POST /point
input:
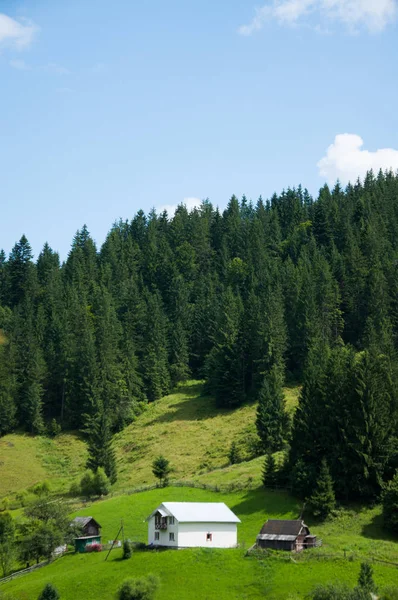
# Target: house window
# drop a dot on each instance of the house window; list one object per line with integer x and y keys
{"x": 171, "y": 520}
{"x": 156, "y": 535}
{"x": 209, "y": 537}
{"x": 171, "y": 537}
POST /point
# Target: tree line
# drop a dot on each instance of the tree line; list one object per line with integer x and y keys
{"x": 294, "y": 287}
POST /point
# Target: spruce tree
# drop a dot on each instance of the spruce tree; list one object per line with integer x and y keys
{"x": 322, "y": 501}
{"x": 269, "y": 474}
{"x": 49, "y": 593}
{"x": 100, "y": 448}
{"x": 271, "y": 420}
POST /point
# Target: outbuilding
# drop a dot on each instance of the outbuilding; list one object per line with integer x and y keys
{"x": 193, "y": 525}
{"x": 89, "y": 529}
{"x": 292, "y": 535}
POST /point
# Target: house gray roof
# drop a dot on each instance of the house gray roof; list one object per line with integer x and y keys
{"x": 83, "y": 521}
{"x": 198, "y": 512}
{"x": 279, "y": 528}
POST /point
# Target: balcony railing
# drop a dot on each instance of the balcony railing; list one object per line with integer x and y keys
{"x": 160, "y": 525}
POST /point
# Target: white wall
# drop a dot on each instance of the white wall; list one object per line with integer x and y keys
{"x": 193, "y": 535}
{"x": 163, "y": 534}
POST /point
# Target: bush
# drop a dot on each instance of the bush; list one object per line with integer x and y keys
{"x": 42, "y": 489}
{"x": 331, "y": 592}
{"x": 49, "y": 593}
{"x": 87, "y": 484}
{"x": 92, "y": 484}
{"x": 53, "y": 428}
{"x": 365, "y": 579}
{"x": 390, "y": 504}
{"x": 143, "y": 588}
{"x": 233, "y": 454}
{"x": 95, "y": 547}
{"x": 127, "y": 549}
{"x": 101, "y": 483}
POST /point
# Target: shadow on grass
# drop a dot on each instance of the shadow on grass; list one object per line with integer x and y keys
{"x": 276, "y": 503}
{"x": 195, "y": 408}
{"x": 375, "y": 530}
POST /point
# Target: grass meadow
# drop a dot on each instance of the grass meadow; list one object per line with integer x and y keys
{"x": 204, "y": 574}
{"x": 185, "y": 426}
{"x": 188, "y": 429}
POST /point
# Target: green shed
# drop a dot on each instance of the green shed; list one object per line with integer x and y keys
{"x": 90, "y": 532}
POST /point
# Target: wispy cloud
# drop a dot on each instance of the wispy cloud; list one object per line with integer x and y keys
{"x": 346, "y": 160}
{"x": 20, "y": 65}
{"x": 374, "y": 15}
{"x": 55, "y": 68}
{"x": 190, "y": 204}
{"x": 16, "y": 34}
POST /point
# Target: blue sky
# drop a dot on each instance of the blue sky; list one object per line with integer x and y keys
{"x": 106, "y": 108}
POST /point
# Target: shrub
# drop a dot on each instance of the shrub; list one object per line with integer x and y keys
{"x": 365, "y": 579}
{"x": 127, "y": 549}
{"x": 143, "y": 588}
{"x": 92, "y": 484}
{"x": 101, "y": 483}
{"x": 53, "y": 428}
{"x": 331, "y": 592}
{"x": 87, "y": 484}
{"x": 390, "y": 504}
{"x": 233, "y": 454}
{"x": 95, "y": 547}
{"x": 42, "y": 489}
{"x": 49, "y": 593}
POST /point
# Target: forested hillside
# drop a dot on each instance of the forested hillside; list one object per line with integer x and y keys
{"x": 246, "y": 299}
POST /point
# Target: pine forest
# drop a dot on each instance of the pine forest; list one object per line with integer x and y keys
{"x": 294, "y": 288}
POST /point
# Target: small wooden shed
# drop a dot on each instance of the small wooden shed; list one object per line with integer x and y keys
{"x": 292, "y": 535}
{"x": 90, "y": 532}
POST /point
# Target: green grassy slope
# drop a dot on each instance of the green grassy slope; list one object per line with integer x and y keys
{"x": 203, "y": 574}
{"x": 185, "y": 427}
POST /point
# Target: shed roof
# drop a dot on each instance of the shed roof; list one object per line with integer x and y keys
{"x": 283, "y": 527}
{"x": 83, "y": 521}
{"x": 198, "y": 512}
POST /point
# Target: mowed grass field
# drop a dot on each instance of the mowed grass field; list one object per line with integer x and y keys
{"x": 204, "y": 574}
{"x": 185, "y": 426}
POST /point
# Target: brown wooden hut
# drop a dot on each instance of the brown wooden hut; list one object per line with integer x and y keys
{"x": 285, "y": 535}
{"x": 89, "y": 529}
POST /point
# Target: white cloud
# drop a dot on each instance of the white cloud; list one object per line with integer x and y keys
{"x": 374, "y": 15}
{"x": 20, "y": 65}
{"x": 190, "y": 204}
{"x": 346, "y": 160}
{"x": 15, "y": 34}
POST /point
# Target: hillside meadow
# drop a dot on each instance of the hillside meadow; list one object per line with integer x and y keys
{"x": 205, "y": 574}
{"x": 185, "y": 426}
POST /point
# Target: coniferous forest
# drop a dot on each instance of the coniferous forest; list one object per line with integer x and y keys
{"x": 291, "y": 289}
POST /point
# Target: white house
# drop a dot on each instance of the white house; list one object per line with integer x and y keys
{"x": 192, "y": 525}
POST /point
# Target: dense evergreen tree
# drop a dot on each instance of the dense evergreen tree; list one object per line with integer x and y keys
{"x": 293, "y": 285}
{"x": 322, "y": 500}
{"x": 271, "y": 418}
{"x": 100, "y": 450}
